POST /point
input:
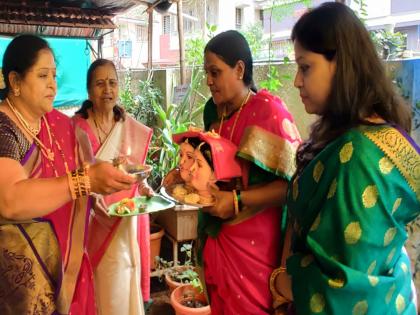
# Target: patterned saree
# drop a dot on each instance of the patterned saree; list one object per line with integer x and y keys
{"x": 349, "y": 209}
{"x": 43, "y": 265}
{"x": 240, "y": 254}
{"x": 119, "y": 248}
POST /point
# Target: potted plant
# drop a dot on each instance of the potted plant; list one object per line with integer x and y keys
{"x": 190, "y": 299}
{"x": 180, "y": 274}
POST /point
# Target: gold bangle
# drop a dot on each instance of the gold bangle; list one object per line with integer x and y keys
{"x": 79, "y": 182}
{"x": 71, "y": 186}
{"x": 278, "y": 298}
{"x": 75, "y": 183}
{"x": 79, "y": 185}
{"x": 87, "y": 178}
{"x": 84, "y": 180}
{"x": 235, "y": 202}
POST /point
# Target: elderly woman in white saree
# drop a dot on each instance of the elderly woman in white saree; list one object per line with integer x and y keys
{"x": 119, "y": 248}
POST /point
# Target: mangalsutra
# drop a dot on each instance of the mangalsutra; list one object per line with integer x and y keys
{"x": 245, "y": 100}
{"x": 46, "y": 152}
{"x": 99, "y": 128}
{"x": 97, "y": 131}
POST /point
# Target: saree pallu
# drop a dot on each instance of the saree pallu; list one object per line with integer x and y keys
{"x": 119, "y": 248}
{"x": 349, "y": 209}
{"x": 240, "y": 254}
{"x": 43, "y": 265}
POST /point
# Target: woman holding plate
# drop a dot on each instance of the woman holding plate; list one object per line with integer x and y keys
{"x": 44, "y": 190}
{"x": 241, "y": 231}
{"x": 121, "y": 280}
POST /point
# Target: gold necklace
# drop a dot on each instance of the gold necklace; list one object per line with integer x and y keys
{"x": 46, "y": 152}
{"x": 244, "y": 101}
{"x": 23, "y": 121}
{"x": 52, "y": 137}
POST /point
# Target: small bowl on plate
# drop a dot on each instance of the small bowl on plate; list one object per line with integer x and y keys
{"x": 140, "y": 172}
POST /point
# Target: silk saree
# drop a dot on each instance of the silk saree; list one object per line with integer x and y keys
{"x": 43, "y": 265}
{"x": 119, "y": 248}
{"x": 240, "y": 254}
{"x": 349, "y": 209}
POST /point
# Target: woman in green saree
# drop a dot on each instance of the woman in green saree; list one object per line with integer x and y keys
{"x": 357, "y": 181}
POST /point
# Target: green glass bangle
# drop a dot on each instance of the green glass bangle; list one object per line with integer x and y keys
{"x": 238, "y": 195}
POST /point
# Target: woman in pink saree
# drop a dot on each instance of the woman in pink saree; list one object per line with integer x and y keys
{"x": 44, "y": 268}
{"x": 242, "y": 230}
{"x": 119, "y": 248}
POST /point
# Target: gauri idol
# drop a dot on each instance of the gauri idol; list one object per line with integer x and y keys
{"x": 210, "y": 156}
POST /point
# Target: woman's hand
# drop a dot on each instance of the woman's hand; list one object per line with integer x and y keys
{"x": 224, "y": 207}
{"x": 106, "y": 179}
{"x": 283, "y": 285}
{"x": 145, "y": 190}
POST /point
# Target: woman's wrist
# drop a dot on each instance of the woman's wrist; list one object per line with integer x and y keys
{"x": 79, "y": 182}
{"x": 279, "y": 297}
{"x": 235, "y": 203}
{"x": 239, "y": 197}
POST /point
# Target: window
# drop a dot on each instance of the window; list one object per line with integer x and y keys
{"x": 141, "y": 33}
{"x": 123, "y": 32}
{"x": 259, "y": 17}
{"x": 189, "y": 26}
{"x": 238, "y": 18}
{"x": 166, "y": 24}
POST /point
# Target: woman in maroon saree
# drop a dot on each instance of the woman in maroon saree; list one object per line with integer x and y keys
{"x": 43, "y": 191}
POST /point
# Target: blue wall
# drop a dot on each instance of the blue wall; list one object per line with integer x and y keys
{"x": 73, "y": 60}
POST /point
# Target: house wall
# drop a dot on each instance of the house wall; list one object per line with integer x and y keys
{"x": 400, "y": 6}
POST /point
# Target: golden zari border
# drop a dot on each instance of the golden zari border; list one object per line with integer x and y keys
{"x": 400, "y": 152}
{"x": 269, "y": 151}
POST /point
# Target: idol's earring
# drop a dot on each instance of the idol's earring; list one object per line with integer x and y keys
{"x": 16, "y": 92}
{"x": 240, "y": 78}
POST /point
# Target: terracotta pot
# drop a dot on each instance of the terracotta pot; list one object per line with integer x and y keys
{"x": 171, "y": 283}
{"x": 155, "y": 241}
{"x": 185, "y": 292}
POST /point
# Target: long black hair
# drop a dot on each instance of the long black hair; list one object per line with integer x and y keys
{"x": 360, "y": 87}
{"x": 231, "y": 46}
{"x": 20, "y": 55}
{"x": 119, "y": 112}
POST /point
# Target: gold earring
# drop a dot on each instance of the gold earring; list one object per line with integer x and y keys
{"x": 240, "y": 78}
{"x": 16, "y": 92}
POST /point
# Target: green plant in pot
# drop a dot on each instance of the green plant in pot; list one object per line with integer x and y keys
{"x": 183, "y": 273}
{"x": 187, "y": 299}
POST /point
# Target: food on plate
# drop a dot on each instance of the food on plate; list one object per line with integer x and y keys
{"x": 179, "y": 192}
{"x": 206, "y": 200}
{"x": 127, "y": 206}
{"x": 192, "y": 198}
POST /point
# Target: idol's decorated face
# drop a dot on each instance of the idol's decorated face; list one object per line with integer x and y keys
{"x": 202, "y": 173}
{"x": 186, "y": 153}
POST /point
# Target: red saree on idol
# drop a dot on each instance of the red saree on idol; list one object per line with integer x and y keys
{"x": 119, "y": 248}
{"x": 240, "y": 255}
{"x": 43, "y": 265}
